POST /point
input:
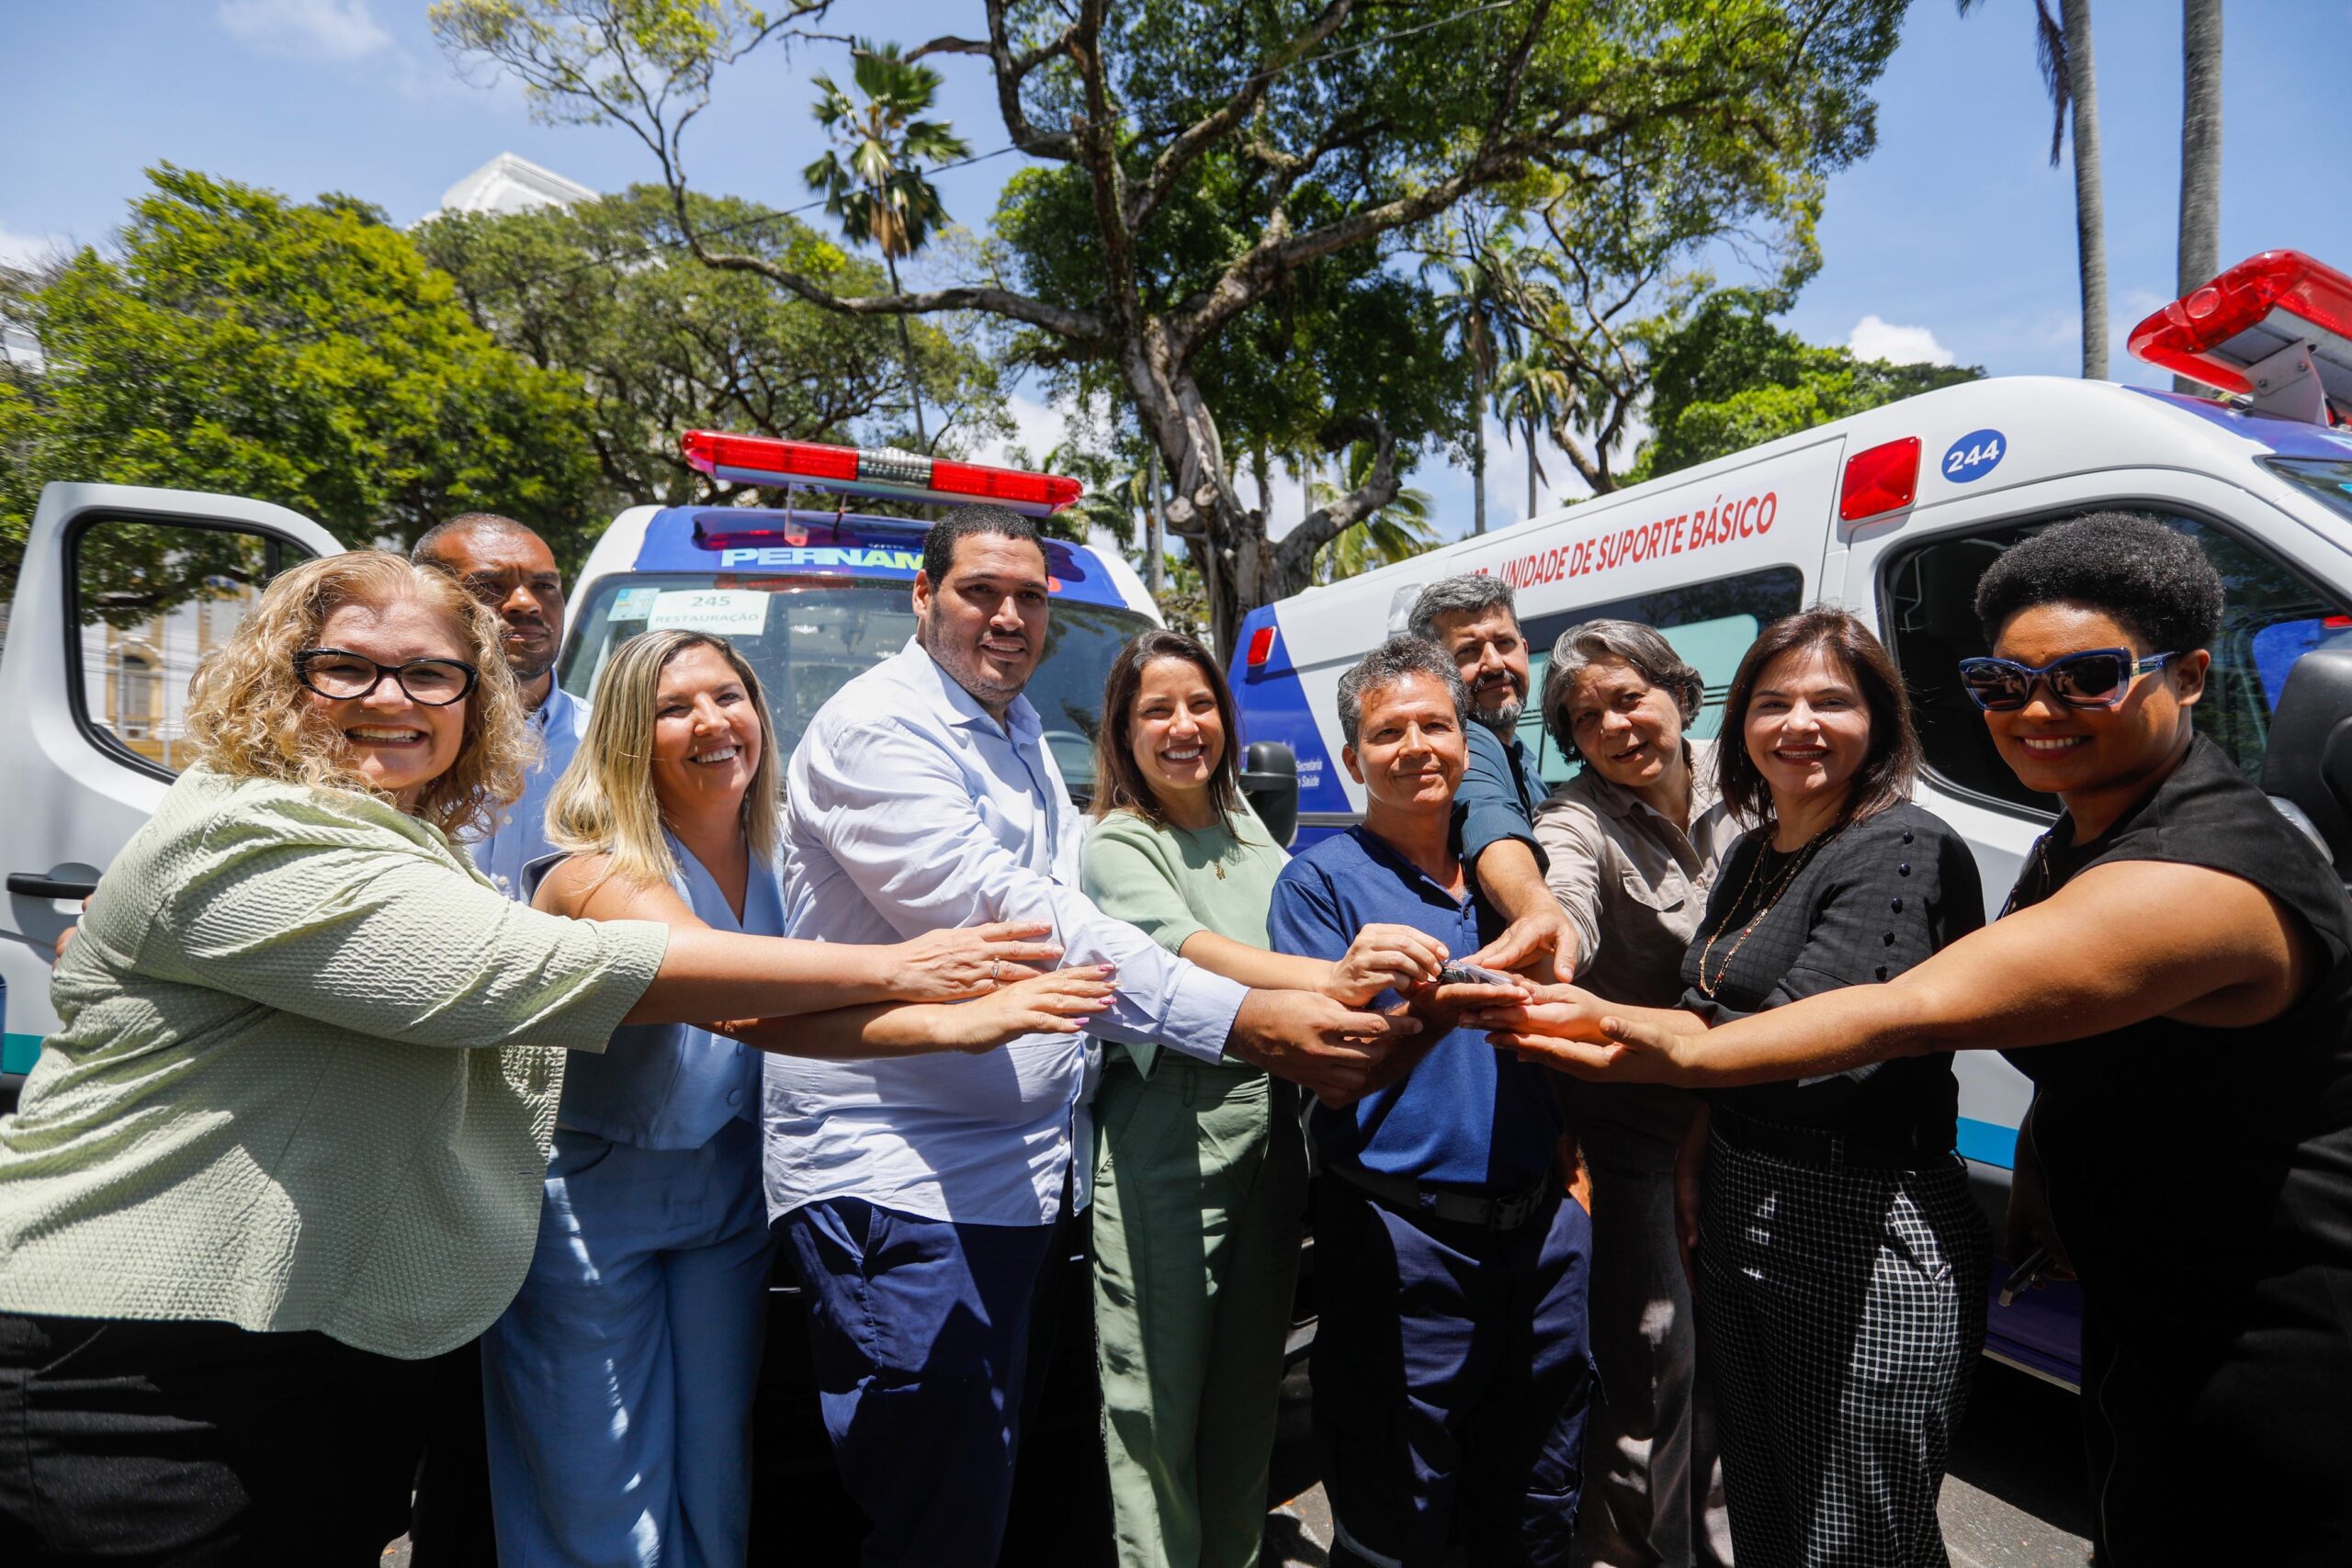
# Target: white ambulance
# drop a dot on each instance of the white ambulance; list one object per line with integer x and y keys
{"x": 1894, "y": 513}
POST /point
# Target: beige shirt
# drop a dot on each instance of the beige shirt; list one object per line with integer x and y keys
{"x": 1635, "y": 886}
{"x": 305, "y": 1078}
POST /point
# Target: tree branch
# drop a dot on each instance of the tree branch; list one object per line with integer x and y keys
{"x": 1181, "y": 153}
{"x": 1294, "y": 555}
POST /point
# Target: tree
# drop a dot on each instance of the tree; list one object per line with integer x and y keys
{"x": 2200, "y": 152}
{"x": 2063, "y": 49}
{"x": 1398, "y": 531}
{"x": 1475, "y": 310}
{"x": 1530, "y": 392}
{"x": 1332, "y": 125}
{"x": 301, "y": 353}
{"x": 603, "y": 293}
{"x": 1725, "y": 378}
{"x": 873, "y": 176}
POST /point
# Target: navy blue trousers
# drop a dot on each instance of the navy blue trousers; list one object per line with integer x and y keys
{"x": 930, "y": 1341}
{"x": 1453, "y": 1375}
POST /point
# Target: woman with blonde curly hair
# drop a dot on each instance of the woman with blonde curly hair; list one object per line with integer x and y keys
{"x": 291, "y": 1131}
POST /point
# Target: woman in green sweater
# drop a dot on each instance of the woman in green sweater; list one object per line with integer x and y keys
{"x": 1200, "y": 1171}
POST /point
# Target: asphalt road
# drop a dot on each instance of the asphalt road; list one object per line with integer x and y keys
{"x": 2013, "y": 1497}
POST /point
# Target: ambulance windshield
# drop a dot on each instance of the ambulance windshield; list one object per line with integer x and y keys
{"x": 808, "y": 636}
{"x": 2330, "y": 478}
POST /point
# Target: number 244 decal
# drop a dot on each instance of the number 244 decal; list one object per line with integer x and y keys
{"x": 1974, "y": 456}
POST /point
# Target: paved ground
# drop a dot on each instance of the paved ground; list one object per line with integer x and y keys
{"x": 2014, "y": 1498}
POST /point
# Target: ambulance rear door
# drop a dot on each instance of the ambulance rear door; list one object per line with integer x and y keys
{"x": 122, "y": 591}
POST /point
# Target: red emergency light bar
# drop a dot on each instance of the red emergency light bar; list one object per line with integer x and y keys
{"x": 2239, "y": 332}
{"x": 851, "y": 470}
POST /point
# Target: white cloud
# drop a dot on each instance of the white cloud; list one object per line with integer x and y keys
{"x": 27, "y": 250}
{"x": 305, "y": 30}
{"x": 1875, "y": 339}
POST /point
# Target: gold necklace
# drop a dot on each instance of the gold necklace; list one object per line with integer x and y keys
{"x": 1804, "y": 856}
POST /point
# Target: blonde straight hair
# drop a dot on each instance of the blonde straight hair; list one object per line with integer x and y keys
{"x": 605, "y": 803}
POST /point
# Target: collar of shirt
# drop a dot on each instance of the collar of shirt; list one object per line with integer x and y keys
{"x": 1616, "y": 800}
{"x": 931, "y": 678}
{"x": 1389, "y": 857}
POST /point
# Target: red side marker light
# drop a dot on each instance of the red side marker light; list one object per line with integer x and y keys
{"x": 1262, "y": 646}
{"x": 1880, "y": 480}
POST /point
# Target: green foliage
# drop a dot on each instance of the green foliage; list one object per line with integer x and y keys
{"x": 873, "y": 177}
{"x": 1725, "y": 378}
{"x": 660, "y": 344}
{"x": 1395, "y": 532}
{"x": 297, "y": 352}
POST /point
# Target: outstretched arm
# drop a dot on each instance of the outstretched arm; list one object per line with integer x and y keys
{"x": 2120, "y": 945}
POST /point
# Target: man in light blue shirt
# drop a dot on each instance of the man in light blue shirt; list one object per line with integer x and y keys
{"x": 511, "y": 569}
{"x": 924, "y": 1200}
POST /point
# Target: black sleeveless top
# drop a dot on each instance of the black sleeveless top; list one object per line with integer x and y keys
{"x": 1859, "y": 907}
{"x": 2202, "y": 1178}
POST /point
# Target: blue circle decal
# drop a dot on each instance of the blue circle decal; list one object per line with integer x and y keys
{"x": 1974, "y": 455}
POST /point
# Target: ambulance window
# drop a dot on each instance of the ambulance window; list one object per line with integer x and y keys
{"x": 2273, "y": 616}
{"x": 1709, "y": 624}
{"x": 150, "y": 601}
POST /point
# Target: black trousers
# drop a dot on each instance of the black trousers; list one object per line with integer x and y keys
{"x": 178, "y": 1443}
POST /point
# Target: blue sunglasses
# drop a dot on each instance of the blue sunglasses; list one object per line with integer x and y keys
{"x": 2097, "y": 679}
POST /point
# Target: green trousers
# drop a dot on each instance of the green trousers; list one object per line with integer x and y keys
{"x": 1200, "y": 1186}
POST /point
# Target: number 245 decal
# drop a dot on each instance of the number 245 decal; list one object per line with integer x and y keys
{"x": 1974, "y": 456}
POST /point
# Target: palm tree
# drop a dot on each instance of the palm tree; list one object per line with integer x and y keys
{"x": 2062, "y": 49}
{"x": 1530, "y": 391}
{"x": 2200, "y": 151}
{"x": 1398, "y": 531}
{"x": 1474, "y": 310}
{"x": 873, "y": 176}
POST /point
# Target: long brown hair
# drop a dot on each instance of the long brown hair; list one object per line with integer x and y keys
{"x": 1119, "y": 783}
{"x": 1884, "y": 778}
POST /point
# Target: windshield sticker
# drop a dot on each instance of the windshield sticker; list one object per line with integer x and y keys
{"x": 1974, "y": 456}
{"x": 720, "y": 611}
{"x": 633, "y": 603}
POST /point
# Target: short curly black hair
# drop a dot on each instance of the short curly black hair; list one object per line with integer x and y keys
{"x": 2155, "y": 582}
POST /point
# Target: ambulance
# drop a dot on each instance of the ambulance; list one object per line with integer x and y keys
{"x": 1894, "y": 513}
{"x": 124, "y": 589}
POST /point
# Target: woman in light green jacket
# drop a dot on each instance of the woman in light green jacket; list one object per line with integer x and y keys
{"x": 1200, "y": 1170}
{"x": 292, "y": 1130}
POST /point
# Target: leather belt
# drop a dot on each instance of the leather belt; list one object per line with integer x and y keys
{"x": 1510, "y": 1211}
{"x": 1819, "y": 1147}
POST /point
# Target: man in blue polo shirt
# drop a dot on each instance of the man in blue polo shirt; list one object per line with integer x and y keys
{"x": 1452, "y": 1372}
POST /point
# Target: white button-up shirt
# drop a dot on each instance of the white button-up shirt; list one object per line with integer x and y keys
{"x": 911, "y": 809}
{"x": 521, "y": 836}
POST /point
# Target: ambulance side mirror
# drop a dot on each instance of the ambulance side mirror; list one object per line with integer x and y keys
{"x": 2308, "y": 761}
{"x": 1270, "y": 781}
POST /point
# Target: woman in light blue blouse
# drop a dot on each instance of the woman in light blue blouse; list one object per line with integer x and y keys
{"x": 620, "y": 1381}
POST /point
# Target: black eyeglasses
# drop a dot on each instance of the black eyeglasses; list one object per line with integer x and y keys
{"x": 346, "y": 676}
{"x": 2098, "y": 677}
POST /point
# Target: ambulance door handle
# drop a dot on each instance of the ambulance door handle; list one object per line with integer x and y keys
{"x": 33, "y": 885}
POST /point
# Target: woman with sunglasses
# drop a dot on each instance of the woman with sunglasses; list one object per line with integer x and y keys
{"x": 2174, "y": 970}
{"x": 291, "y": 1133}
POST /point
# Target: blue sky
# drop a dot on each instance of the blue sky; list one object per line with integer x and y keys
{"x": 1955, "y": 238}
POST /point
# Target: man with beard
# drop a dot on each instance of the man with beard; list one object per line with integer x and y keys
{"x": 1476, "y": 620}
{"x": 511, "y": 569}
{"x": 926, "y": 1200}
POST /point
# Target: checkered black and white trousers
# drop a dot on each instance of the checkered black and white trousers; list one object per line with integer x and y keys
{"x": 1840, "y": 1313}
